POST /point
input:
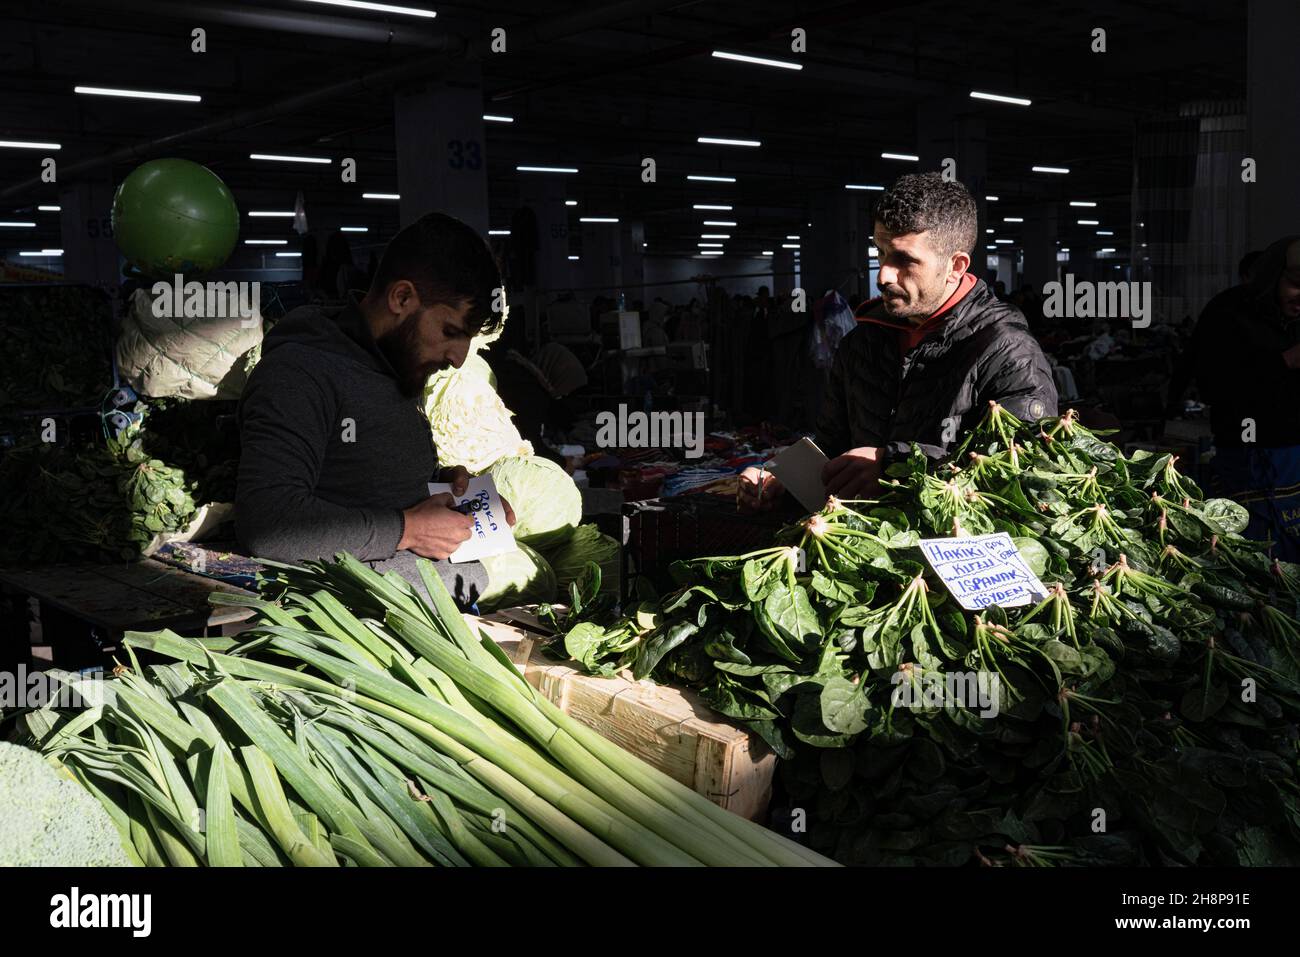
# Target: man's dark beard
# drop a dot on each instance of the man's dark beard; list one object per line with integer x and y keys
{"x": 401, "y": 347}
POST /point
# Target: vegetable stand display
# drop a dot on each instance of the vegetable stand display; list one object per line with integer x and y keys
{"x": 1146, "y": 706}
{"x": 355, "y": 724}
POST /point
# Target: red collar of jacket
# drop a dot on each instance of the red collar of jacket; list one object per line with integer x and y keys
{"x": 909, "y": 335}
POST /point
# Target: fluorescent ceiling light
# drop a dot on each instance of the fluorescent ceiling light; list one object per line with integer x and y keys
{"x": 873, "y": 252}
{"x": 137, "y": 94}
{"x": 768, "y": 252}
{"x": 570, "y": 202}
{"x": 1108, "y": 249}
{"x": 789, "y": 245}
{"x": 1105, "y": 232}
{"x": 497, "y": 118}
{"x": 901, "y": 156}
{"x": 879, "y": 189}
{"x": 275, "y": 157}
{"x": 289, "y": 255}
{"x": 597, "y": 219}
{"x": 266, "y": 242}
{"x": 723, "y": 141}
{"x": 1012, "y": 219}
{"x": 1004, "y": 242}
{"x": 707, "y": 206}
{"x": 999, "y": 98}
{"x": 1079, "y": 202}
{"x": 1065, "y": 249}
{"x": 718, "y": 222}
{"x": 546, "y": 169}
{"x": 715, "y": 235}
{"x": 1089, "y": 222}
{"x": 1049, "y": 169}
{"x": 271, "y": 214}
{"x": 988, "y": 230}
{"x": 709, "y": 245}
{"x": 354, "y": 229}
{"x": 16, "y": 224}
{"x": 381, "y": 195}
{"x": 710, "y": 179}
{"x": 376, "y": 7}
{"x": 48, "y": 209}
{"x": 792, "y": 237}
{"x": 42, "y": 252}
{"x": 498, "y": 232}
{"x": 28, "y": 145}
{"x": 711, "y": 252}
{"x": 761, "y": 61}
{"x": 990, "y": 199}
{"x": 990, "y": 247}
{"x": 572, "y": 258}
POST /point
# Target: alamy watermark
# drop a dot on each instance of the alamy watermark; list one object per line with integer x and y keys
{"x": 74, "y": 910}
{"x": 24, "y": 689}
{"x": 651, "y": 430}
{"x": 179, "y": 299}
{"x": 1083, "y": 299}
{"x": 978, "y": 691}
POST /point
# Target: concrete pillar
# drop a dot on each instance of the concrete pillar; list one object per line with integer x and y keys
{"x": 545, "y": 196}
{"x": 441, "y": 153}
{"x": 784, "y": 265}
{"x": 1040, "y": 234}
{"x": 1273, "y": 104}
{"x": 1007, "y": 270}
{"x": 946, "y": 132}
{"x": 85, "y": 222}
{"x": 632, "y": 241}
{"x": 834, "y": 246}
{"x": 602, "y": 259}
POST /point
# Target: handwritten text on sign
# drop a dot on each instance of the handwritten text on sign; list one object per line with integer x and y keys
{"x": 983, "y": 570}
{"x": 491, "y": 534}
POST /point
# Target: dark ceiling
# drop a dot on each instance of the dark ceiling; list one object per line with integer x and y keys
{"x": 599, "y": 86}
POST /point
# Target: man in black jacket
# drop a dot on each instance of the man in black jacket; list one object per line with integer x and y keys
{"x": 1246, "y": 354}
{"x": 336, "y": 454}
{"x": 928, "y": 355}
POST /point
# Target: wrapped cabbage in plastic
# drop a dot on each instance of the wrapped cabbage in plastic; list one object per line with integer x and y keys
{"x": 587, "y": 544}
{"x": 547, "y": 504}
{"x": 471, "y": 426}
{"x": 517, "y": 577}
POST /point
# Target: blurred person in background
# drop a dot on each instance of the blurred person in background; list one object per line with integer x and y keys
{"x": 1246, "y": 355}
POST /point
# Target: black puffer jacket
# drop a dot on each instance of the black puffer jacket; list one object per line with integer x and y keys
{"x": 982, "y": 350}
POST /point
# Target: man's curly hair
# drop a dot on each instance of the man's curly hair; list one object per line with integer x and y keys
{"x": 925, "y": 201}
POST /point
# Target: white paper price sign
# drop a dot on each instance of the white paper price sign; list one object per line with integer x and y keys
{"x": 983, "y": 570}
{"x": 491, "y": 533}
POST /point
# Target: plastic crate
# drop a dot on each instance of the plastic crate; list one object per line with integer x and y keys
{"x": 662, "y": 531}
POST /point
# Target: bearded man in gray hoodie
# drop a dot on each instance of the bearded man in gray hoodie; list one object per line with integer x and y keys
{"x": 336, "y": 453}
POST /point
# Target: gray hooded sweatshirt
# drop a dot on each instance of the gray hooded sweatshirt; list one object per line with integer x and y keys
{"x": 331, "y": 452}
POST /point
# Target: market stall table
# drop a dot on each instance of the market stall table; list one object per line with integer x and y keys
{"x": 115, "y": 598}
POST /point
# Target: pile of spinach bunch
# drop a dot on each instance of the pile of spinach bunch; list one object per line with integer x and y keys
{"x": 58, "y": 349}
{"x": 99, "y": 502}
{"x": 1146, "y": 709}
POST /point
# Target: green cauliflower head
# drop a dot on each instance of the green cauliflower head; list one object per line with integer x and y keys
{"x": 50, "y": 820}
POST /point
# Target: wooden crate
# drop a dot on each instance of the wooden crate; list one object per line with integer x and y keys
{"x": 669, "y": 728}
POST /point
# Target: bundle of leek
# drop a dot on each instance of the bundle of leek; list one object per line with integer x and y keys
{"x": 355, "y": 723}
